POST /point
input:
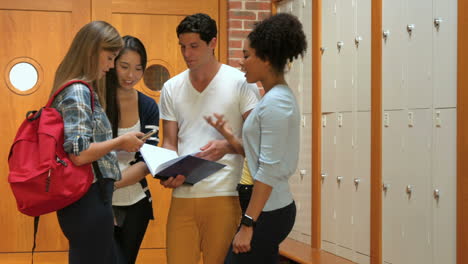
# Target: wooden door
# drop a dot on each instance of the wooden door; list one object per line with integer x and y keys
{"x": 39, "y": 32}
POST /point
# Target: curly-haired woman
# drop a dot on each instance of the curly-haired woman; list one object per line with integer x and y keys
{"x": 270, "y": 140}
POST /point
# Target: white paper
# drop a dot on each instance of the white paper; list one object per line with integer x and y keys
{"x": 155, "y": 156}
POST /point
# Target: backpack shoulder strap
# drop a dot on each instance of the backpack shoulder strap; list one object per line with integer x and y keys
{"x": 49, "y": 103}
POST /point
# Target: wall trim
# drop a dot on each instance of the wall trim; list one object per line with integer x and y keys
{"x": 316, "y": 227}
{"x": 223, "y": 35}
{"x": 376, "y": 134}
{"x": 462, "y": 134}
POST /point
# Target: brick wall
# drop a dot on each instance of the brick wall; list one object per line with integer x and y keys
{"x": 242, "y": 14}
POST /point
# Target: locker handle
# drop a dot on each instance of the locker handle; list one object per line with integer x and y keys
{"x": 436, "y": 194}
{"x": 302, "y": 173}
{"x": 385, "y": 34}
{"x": 322, "y": 50}
{"x": 437, "y": 22}
{"x": 324, "y": 175}
{"x": 339, "y": 178}
{"x": 339, "y": 45}
{"x": 357, "y": 40}
{"x": 357, "y": 181}
{"x": 410, "y": 28}
{"x": 409, "y": 189}
{"x": 385, "y": 186}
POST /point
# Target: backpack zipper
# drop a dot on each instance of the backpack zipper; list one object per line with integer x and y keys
{"x": 61, "y": 162}
{"x": 48, "y": 181}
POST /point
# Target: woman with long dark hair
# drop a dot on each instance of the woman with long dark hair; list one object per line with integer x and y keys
{"x": 131, "y": 111}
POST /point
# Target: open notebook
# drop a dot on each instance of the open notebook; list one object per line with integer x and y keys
{"x": 164, "y": 163}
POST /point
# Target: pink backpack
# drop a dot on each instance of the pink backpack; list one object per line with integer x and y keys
{"x": 42, "y": 177}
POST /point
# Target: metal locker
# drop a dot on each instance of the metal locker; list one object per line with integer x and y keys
{"x": 301, "y": 187}
{"x": 393, "y": 89}
{"x": 361, "y": 259}
{"x": 307, "y": 73}
{"x": 393, "y": 165}
{"x": 444, "y": 73}
{"x": 286, "y": 6}
{"x": 417, "y": 224}
{"x": 298, "y": 77}
{"x": 329, "y": 56}
{"x": 361, "y": 185}
{"x": 344, "y": 184}
{"x": 294, "y": 78}
{"x": 362, "y": 44}
{"x": 328, "y": 175}
{"x": 346, "y": 56}
{"x": 417, "y": 32}
{"x": 294, "y": 70}
{"x": 444, "y": 186}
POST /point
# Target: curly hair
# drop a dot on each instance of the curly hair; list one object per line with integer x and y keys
{"x": 278, "y": 39}
{"x": 198, "y": 23}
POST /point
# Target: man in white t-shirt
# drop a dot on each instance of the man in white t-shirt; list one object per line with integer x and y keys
{"x": 203, "y": 218}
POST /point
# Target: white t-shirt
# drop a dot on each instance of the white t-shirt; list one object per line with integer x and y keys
{"x": 228, "y": 94}
{"x": 131, "y": 194}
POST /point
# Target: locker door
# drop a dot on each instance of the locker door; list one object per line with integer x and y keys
{"x": 346, "y": 54}
{"x": 329, "y": 182}
{"x": 295, "y": 74}
{"x": 361, "y": 190}
{"x": 362, "y": 44}
{"x": 417, "y": 224}
{"x": 329, "y": 56}
{"x": 393, "y": 91}
{"x": 445, "y": 53}
{"x": 299, "y": 79}
{"x": 301, "y": 184}
{"x": 344, "y": 183}
{"x": 307, "y": 60}
{"x": 444, "y": 180}
{"x": 393, "y": 164}
{"x": 418, "y": 36}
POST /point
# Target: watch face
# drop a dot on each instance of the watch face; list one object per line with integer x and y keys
{"x": 247, "y": 220}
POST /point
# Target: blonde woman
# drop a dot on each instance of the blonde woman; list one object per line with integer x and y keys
{"x": 88, "y": 223}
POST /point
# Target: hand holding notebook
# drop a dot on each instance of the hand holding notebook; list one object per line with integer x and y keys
{"x": 164, "y": 163}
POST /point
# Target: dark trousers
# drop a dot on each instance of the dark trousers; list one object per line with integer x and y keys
{"x": 130, "y": 235}
{"x": 245, "y": 192}
{"x": 271, "y": 229}
{"x": 88, "y": 226}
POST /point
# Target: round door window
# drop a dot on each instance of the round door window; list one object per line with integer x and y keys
{"x": 155, "y": 76}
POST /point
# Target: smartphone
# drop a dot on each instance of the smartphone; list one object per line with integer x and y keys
{"x": 148, "y": 135}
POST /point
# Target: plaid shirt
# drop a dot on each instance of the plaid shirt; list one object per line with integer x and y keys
{"x": 82, "y": 126}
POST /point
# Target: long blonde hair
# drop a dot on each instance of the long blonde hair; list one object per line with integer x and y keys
{"x": 82, "y": 59}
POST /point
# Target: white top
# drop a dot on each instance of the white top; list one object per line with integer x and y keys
{"x": 228, "y": 94}
{"x": 131, "y": 194}
{"x": 271, "y": 143}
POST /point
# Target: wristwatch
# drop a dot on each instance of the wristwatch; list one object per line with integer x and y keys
{"x": 247, "y": 221}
